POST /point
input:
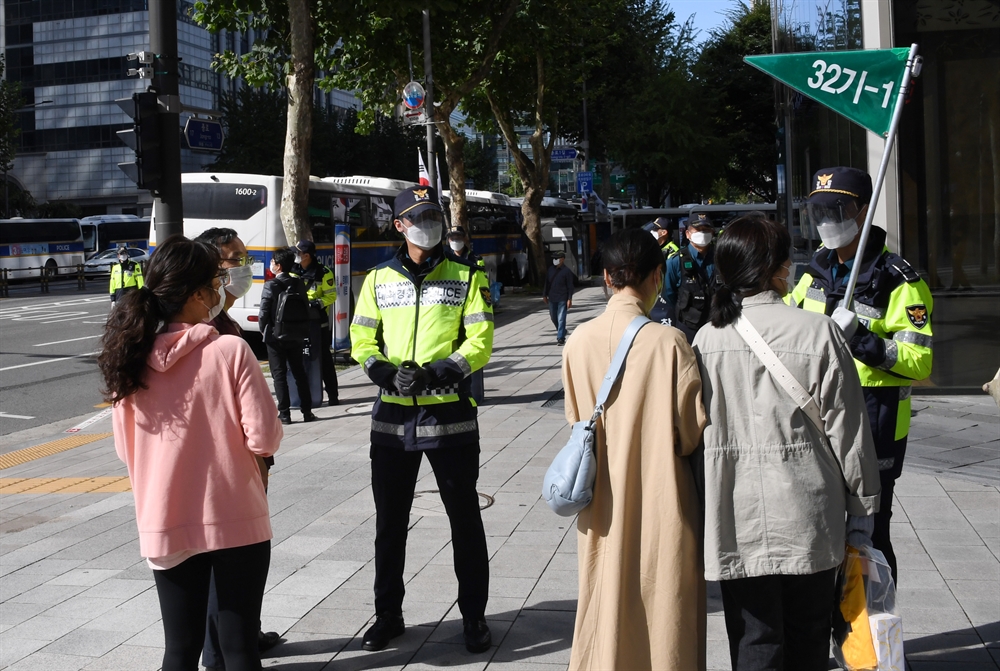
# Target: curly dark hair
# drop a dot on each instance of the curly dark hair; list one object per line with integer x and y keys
{"x": 746, "y": 258}
{"x": 629, "y": 256}
{"x": 178, "y": 268}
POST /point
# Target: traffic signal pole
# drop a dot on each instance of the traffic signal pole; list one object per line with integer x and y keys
{"x": 166, "y": 83}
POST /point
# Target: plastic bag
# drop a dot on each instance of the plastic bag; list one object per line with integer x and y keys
{"x": 870, "y": 632}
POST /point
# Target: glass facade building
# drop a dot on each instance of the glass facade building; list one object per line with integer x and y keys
{"x": 940, "y": 204}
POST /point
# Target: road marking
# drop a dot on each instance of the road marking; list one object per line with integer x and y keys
{"x": 60, "y": 342}
{"x": 103, "y": 405}
{"x": 90, "y": 420}
{"x": 4, "y": 414}
{"x": 39, "y": 363}
{"x": 52, "y": 447}
{"x": 97, "y": 485}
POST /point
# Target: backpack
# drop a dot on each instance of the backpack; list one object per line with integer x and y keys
{"x": 291, "y": 315}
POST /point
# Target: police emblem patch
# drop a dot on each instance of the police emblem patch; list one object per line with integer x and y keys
{"x": 486, "y": 296}
{"x": 824, "y": 181}
{"x": 917, "y": 314}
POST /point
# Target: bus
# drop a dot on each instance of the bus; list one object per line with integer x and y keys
{"x": 250, "y": 205}
{"x": 496, "y": 234}
{"x": 720, "y": 214}
{"x": 27, "y": 245}
{"x": 107, "y": 231}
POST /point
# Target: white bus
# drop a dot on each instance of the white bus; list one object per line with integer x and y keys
{"x": 107, "y": 231}
{"x": 250, "y": 204}
{"x": 720, "y": 214}
{"x": 28, "y": 245}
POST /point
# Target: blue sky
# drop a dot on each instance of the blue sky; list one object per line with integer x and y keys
{"x": 708, "y": 13}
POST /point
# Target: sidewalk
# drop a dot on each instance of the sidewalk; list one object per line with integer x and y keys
{"x": 74, "y": 593}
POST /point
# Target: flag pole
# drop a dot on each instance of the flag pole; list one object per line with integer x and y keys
{"x": 890, "y": 139}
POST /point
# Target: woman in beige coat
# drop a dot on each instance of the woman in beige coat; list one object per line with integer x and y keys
{"x": 642, "y": 592}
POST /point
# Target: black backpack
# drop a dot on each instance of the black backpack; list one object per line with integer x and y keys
{"x": 291, "y": 315}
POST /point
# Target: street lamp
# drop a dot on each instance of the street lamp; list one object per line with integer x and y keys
{"x": 6, "y": 188}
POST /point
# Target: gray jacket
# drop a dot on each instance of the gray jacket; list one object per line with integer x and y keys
{"x": 776, "y": 489}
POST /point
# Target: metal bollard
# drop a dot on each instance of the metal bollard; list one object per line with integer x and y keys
{"x": 81, "y": 281}
{"x": 4, "y": 285}
{"x": 44, "y": 279}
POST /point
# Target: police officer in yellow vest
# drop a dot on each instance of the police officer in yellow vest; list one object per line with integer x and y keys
{"x": 423, "y": 323}
{"x": 126, "y": 275}
{"x": 662, "y": 232}
{"x": 321, "y": 289}
{"x": 888, "y": 326}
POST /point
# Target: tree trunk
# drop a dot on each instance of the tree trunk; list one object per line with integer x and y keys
{"x": 298, "y": 134}
{"x": 454, "y": 144}
{"x": 532, "y": 214}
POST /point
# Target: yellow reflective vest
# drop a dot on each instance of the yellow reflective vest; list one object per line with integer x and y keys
{"x": 321, "y": 287}
{"x": 123, "y": 279}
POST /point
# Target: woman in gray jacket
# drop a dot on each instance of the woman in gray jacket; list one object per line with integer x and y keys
{"x": 781, "y": 494}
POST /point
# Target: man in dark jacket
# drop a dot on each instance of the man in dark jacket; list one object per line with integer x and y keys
{"x": 282, "y": 353}
{"x": 558, "y": 294}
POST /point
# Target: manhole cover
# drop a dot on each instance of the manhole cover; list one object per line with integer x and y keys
{"x": 428, "y": 503}
{"x": 359, "y": 409}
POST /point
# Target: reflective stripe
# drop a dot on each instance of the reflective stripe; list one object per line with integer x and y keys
{"x": 886, "y": 464}
{"x": 891, "y": 355}
{"x": 462, "y": 363}
{"x": 446, "y": 429}
{"x": 477, "y": 317}
{"x": 904, "y": 392}
{"x": 386, "y": 427}
{"x": 863, "y": 310}
{"x": 816, "y": 294}
{"x": 440, "y": 391}
{"x": 915, "y": 338}
{"x": 365, "y": 321}
{"x": 370, "y": 362}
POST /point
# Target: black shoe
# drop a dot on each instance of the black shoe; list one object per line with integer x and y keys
{"x": 477, "y": 636}
{"x": 333, "y": 401}
{"x": 285, "y": 419}
{"x": 387, "y": 627}
{"x": 267, "y": 640}
{"x": 561, "y": 342}
{"x": 309, "y": 417}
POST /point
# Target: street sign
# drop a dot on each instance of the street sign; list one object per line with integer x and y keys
{"x": 204, "y": 134}
{"x": 861, "y": 85}
{"x": 630, "y": 189}
{"x": 564, "y": 154}
{"x": 414, "y": 117}
{"x": 584, "y": 182}
{"x": 413, "y": 95}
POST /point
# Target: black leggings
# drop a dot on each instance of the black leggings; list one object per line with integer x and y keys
{"x": 240, "y": 574}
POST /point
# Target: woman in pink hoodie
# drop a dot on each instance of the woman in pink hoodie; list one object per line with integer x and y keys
{"x": 191, "y": 409}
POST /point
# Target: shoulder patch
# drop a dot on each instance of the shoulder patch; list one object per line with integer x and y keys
{"x": 486, "y": 296}
{"x": 917, "y": 314}
{"x": 900, "y": 265}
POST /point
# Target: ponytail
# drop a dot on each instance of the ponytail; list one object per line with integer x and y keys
{"x": 726, "y": 307}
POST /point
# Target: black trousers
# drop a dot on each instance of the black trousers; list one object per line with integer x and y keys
{"x": 328, "y": 369}
{"x": 883, "y": 415}
{"x": 240, "y": 574}
{"x": 394, "y": 477}
{"x": 278, "y": 355}
{"x": 779, "y": 622}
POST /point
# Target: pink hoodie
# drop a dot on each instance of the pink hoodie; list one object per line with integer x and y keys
{"x": 189, "y": 442}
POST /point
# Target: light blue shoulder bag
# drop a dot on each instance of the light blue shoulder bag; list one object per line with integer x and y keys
{"x": 569, "y": 483}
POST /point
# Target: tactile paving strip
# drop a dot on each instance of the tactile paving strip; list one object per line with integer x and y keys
{"x": 45, "y": 449}
{"x": 98, "y": 485}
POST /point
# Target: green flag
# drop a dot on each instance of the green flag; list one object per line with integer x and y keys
{"x": 861, "y": 85}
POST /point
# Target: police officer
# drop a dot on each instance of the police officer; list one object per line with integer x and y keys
{"x": 321, "y": 288}
{"x": 126, "y": 275}
{"x": 888, "y": 326}
{"x": 460, "y": 246}
{"x": 661, "y": 230}
{"x": 691, "y": 276}
{"x": 423, "y": 323}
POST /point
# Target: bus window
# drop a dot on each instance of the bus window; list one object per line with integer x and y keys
{"x": 89, "y": 238}
{"x": 223, "y": 201}
{"x": 321, "y": 216}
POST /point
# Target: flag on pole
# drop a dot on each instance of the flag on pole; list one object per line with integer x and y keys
{"x": 425, "y": 179}
{"x": 861, "y": 85}
{"x": 599, "y": 206}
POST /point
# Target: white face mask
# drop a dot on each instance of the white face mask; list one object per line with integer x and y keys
{"x": 837, "y": 234}
{"x": 701, "y": 238}
{"x": 298, "y": 259}
{"x": 784, "y": 280}
{"x": 214, "y": 311}
{"x": 456, "y": 245}
{"x": 555, "y": 262}
{"x": 656, "y": 235}
{"x": 425, "y": 235}
{"x": 240, "y": 281}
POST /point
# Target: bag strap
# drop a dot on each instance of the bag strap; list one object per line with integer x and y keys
{"x": 779, "y": 372}
{"x": 617, "y": 364}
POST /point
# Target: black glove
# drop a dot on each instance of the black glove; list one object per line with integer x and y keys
{"x": 411, "y": 379}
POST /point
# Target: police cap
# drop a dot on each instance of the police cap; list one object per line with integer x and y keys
{"x": 834, "y": 184}
{"x": 414, "y": 200}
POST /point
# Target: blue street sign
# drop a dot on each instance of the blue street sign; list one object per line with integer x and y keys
{"x": 630, "y": 189}
{"x": 563, "y": 154}
{"x": 204, "y": 134}
{"x": 584, "y": 182}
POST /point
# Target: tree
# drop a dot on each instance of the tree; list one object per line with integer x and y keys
{"x": 742, "y": 101}
{"x": 480, "y": 158}
{"x": 465, "y": 39}
{"x": 254, "y": 120}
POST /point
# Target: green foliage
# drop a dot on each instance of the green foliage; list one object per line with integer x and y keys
{"x": 740, "y": 101}
{"x": 10, "y": 100}
{"x": 254, "y": 121}
{"x": 481, "y": 163}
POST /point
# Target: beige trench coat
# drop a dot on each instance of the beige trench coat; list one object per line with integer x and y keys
{"x": 642, "y": 590}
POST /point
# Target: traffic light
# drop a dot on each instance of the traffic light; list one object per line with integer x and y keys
{"x": 144, "y": 139}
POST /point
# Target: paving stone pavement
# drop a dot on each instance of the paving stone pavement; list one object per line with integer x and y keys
{"x": 74, "y": 593}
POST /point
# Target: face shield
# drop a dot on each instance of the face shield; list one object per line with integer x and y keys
{"x": 835, "y": 222}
